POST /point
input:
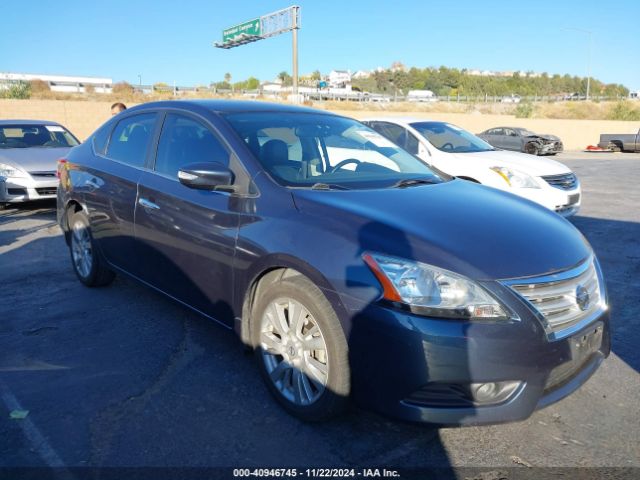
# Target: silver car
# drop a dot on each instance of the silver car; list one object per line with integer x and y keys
{"x": 29, "y": 151}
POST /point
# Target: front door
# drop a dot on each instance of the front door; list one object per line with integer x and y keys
{"x": 187, "y": 237}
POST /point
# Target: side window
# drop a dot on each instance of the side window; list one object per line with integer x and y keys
{"x": 130, "y": 139}
{"x": 395, "y": 133}
{"x": 184, "y": 140}
{"x": 101, "y": 137}
{"x": 412, "y": 143}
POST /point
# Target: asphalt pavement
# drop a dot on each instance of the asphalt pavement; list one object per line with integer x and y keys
{"x": 124, "y": 377}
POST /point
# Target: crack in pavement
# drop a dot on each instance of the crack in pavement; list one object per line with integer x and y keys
{"x": 106, "y": 425}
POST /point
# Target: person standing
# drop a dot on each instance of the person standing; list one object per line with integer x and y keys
{"x": 117, "y": 107}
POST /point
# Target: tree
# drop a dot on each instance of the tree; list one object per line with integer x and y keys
{"x": 316, "y": 75}
{"x": 252, "y": 83}
{"x": 227, "y": 77}
{"x": 122, "y": 88}
{"x": 20, "y": 90}
{"x": 285, "y": 78}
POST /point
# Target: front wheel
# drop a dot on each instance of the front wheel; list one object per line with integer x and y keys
{"x": 532, "y": 149}
{"x": 89, "y": 266}
{"x": 301, "y": 349}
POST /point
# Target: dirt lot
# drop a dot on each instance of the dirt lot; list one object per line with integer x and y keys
{"x": 123, "y": 377}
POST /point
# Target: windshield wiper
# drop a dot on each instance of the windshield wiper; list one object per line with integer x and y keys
{"x": 410, "y": 182}
{"x": 327, "y": 186}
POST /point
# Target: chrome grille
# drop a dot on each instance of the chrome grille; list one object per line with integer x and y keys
{"x": 564, "y": 299}
{"x": 565, "y": 181}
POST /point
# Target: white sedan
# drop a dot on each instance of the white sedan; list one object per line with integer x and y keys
{"x": 462, "y": 154}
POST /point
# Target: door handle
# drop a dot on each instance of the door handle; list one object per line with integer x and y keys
{"x": 148, "y": 204}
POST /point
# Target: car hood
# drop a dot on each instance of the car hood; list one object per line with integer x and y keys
{"x": 530, "y": 164}
{"x": 33, "y": 159}
{"x": 544, "y": 136}
{"x": 478, "y": 231}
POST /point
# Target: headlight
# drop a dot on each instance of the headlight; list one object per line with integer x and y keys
{"x": 432, "y": 291}
{"x": 516, "y": 179}
{"x": 7, "y": 171}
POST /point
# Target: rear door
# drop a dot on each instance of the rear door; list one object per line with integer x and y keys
{"x": 512, "y": 141}
{"x": 110, "y": 187}
{"x": 496, "y": 137}
{"x": 187, "y": 237}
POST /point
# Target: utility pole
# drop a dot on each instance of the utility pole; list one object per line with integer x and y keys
{"x": 294, "y": 33}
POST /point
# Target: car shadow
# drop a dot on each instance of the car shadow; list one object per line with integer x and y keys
{"x": 617, "y": 246}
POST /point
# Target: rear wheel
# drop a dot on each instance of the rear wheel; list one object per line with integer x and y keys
{"x": 614, "y": 147}
{"x": 89, "y": 266}
{"x": 301, "y": 349}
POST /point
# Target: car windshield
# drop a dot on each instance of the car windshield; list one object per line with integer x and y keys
{"x": 451, "y": 139}
{"x": 327, "y": 152}
{"x": 35, "y": 136}
{"x": 526, "y": 133}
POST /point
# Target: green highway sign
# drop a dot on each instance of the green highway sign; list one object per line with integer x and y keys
{"x": 252, "y": 27}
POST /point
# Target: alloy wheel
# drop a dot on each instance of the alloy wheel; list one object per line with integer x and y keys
{"x": 81, "y": 249}
{"x": 294, "y": 351}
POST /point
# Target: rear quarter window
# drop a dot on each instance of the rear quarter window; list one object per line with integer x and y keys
{"x": 101, "y": 138}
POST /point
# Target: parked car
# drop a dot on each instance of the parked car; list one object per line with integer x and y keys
{"x": 511, "y": 99}
{"x": 460, "y": 153}
{"x": 620, "y": 142}
{"x": 522, "y": 140}
{"x": 29, "y": 150}
{"x": 575, "y": 96}
{"x": 349, "y": 266}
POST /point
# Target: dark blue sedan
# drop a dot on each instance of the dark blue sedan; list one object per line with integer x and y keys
{"x": 351, "y": 268}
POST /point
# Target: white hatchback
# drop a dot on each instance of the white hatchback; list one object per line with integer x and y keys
{"x": 460, "y": 153}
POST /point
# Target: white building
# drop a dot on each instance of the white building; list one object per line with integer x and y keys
{"x": 339, "y": 78}
{"x": 60, "y": 83}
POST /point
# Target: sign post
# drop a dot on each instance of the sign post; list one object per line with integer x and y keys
{"x": 282, "y": 21}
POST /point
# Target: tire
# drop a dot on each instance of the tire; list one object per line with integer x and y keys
{"x": 614, "y": 147}
{"x": 306, "y": 368}
{"x": 532, "y": 148}
{"x": 89, "y": 266}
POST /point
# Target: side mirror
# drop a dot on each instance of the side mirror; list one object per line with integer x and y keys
{"x": 206, "y": 176}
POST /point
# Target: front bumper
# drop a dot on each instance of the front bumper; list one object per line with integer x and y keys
{"x": 551, "y": 148}
{"x": 17, "y": 190}
{"x": 411, "y": 367}
{"x": 563, "y": 202}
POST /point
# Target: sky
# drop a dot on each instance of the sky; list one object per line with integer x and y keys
{"x": 172, "y": 41}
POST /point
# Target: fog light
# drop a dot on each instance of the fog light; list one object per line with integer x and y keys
{"x": 492, "y": 392}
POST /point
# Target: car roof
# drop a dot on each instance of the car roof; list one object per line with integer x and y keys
{"x": 231, "y": 106}
{"x": 401, "y": 120}
{"x": 28, "y": 122}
